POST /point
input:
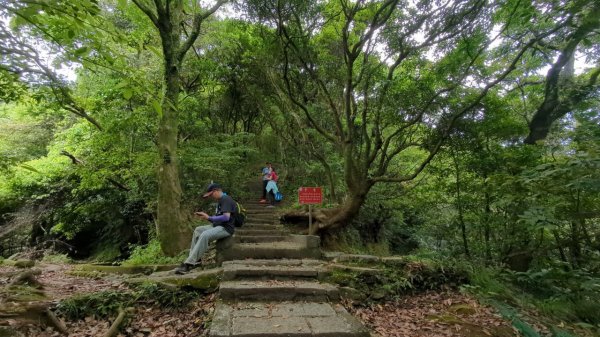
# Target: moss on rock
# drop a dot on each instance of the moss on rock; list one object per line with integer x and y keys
{"x": 22, "y": 293}
{"x": 206, "y": 280}
{"x": 138, "y": 269}
{"x": 19, "y": 263}
{"x": 463, "y": 309}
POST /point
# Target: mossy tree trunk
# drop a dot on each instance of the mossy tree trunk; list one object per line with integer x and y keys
{"x": 169, "y": 18}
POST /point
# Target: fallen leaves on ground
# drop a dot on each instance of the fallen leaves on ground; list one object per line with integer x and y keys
{"x": 149, "y": 321}
{"x": 444, "y": 314}
{"x": 144, "y": 322}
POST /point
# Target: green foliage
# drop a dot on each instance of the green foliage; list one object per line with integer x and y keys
{"x": 102, "y": 304}
{"x": 555, "y": 294}
{"x": 10, "y": 87}
{"x": 22, "y": 137}
{"x": 57, "y": 259}
{"x": 106, "y": 304}
{"x": 165, "y": 297}
{"x": 400, "y": 278}
{"x": 150, "y": 253}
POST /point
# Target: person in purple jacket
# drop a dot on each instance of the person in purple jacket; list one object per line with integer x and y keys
{"x": 223, "y": 225}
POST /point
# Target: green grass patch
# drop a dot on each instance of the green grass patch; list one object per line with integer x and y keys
{"x": 151, "y": 254}
{"x": 57, "y": 259}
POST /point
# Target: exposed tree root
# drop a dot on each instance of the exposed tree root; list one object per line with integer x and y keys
{"x": 56, "y": 322}
{"x": 27, "y": 278}
{"x": 114, "y": 328}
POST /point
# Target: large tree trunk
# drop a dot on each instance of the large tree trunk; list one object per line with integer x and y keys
{"x": 174, "y": 234}
{"x": 168, "y": 18}
{"x": 343, "y": 215}
{"x": 459, "y": 206}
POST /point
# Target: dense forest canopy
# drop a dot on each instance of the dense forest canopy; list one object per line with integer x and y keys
{"x": 467, "y": 128}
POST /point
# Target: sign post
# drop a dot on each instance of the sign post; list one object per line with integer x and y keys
{"x": 310, "y": 196}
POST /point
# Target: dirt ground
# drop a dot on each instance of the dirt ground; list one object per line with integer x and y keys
{"x": 442, "y": 313}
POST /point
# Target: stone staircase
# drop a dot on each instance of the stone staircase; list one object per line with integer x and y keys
{"x": 271, "y": 287}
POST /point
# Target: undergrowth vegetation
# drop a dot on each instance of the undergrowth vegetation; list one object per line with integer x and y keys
{"x": 151, "y": 254}
{"x": 106, "y": 304}
{"x": 555, "y": 294}
{"x": 391, "y": 280}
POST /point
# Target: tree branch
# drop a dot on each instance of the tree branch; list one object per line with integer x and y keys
{"x": 198, "y": 19}
{"x": 147, "y": 11}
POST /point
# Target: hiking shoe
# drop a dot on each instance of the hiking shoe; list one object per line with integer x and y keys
{"x": 185, "y": 267}
{"x": 263, "y": 201}
{"x": 270, "y": 206}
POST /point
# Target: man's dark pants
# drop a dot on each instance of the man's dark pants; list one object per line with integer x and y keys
{"x": 264, "y": 194}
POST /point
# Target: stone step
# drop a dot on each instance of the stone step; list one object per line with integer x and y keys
{"x": 269, "y": 250}
{"x": 257, "y": 232}
{"x": 251, "y": 222}
{"x": 270, "y": 220}
{"x": 255, "y": 205}
{"x": 257, "y": 239}
{"x": 262, "y": 221}
{"x": 285, "y": 319}
{"x": 278, "y": 262}
{"x": 260, "y": 210}
{"x": 277, "y": 290}
{"x": 259, "y": 226}
{"x": 241, "y": 270}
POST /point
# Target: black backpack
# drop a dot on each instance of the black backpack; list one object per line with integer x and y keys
{"x": 239, "y": 217}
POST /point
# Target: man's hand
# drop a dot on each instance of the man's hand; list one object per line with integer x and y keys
{"x": 202, "y": 215}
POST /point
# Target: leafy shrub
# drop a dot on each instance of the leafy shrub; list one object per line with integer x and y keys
{"x": 401, "y": 279}
{"x": 151, "y": 254}
{"x": 57, "y": 258}
{"x": 100, "y": 305}
{"x": 165, "y": 296}
{"x": 107, "y": 303}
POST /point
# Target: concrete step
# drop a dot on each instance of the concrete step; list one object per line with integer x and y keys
{"x": 276, "y": 290}
{"x": 278, "y": 262}
{"x": 262, "y": 219}
{"x": 257, "y": 239}
{"x": 260, "y": 210}
{"x": 257, "y": 232}
{"x": 241, "y": 269}
{"x": 255, "y": 205}
{"x": 259, "y": 226}
{"x": 252, "y": 222}
{"x": 268, "y": 250}
{"x": 285, "y": 319}
{"x": 272, "y": 221}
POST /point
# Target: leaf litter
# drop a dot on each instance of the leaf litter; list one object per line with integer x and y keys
{"x": 146, "y": 320}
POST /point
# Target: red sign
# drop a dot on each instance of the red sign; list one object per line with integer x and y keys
{"x": 310, "y": 195}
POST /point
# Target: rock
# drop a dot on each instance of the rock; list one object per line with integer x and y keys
{"x": 26, "y": 277}
{"x": 139, "y": 269}
{"x": 330, "y": 256}
{"x": 308, "y": 241}
{"x": 446, "y": 318}
{"x": 357, "y": 258}
{"x": 463, "y": 309}
{"x": 378, "y": 294}
{"x": 24, "y": 263}
{"x": 352, "y": 294}
{"x": 6, "y": 331}
{"x": 359, "y": 270}
{"x": 394, "y": 261}
{"x": 204, "y": 279}
{"x": 22, "y": 294}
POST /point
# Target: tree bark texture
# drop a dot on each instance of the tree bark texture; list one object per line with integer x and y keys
{"x": 169, "y": 18}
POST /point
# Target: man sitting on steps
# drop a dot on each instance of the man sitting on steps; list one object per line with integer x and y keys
{"x": 222, "y": 227}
